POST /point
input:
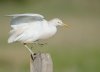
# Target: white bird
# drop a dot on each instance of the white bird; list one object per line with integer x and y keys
{"x": 29, "y": 28}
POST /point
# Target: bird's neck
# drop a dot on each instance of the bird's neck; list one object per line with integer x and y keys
{"x": 45, "y": 24}
{"x": 52, "y": 23}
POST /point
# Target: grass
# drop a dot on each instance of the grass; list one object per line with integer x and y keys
{"x": 64, "y": 59}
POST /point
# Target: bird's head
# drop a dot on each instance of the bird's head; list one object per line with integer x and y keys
{"x": 57, "y": 22}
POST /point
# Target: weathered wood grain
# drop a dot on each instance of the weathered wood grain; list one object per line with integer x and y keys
{"x": 41, "y": 62}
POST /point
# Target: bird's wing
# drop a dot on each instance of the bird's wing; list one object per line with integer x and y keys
{"x": 25, "y": 18}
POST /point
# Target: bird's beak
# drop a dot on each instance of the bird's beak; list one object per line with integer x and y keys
{"x": 65, "y": 25}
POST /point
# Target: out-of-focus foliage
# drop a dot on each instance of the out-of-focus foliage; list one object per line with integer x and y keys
{"x": 19, "y": 1}
{"x": 79, "y": 7}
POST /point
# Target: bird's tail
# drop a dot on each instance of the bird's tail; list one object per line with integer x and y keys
{"x": 11, "y": 39}
{"x": 14, "y": 35}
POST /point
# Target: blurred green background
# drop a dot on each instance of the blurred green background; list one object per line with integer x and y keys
{"x": 76, "y": 49}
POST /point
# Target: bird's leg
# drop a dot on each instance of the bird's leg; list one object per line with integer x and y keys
{"x": 33, "y": 45}
{"x": 28, "y": 48}
{"x": 42, "y": 44}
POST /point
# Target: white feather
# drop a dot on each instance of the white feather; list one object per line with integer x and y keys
{"x": 27, "y": 28}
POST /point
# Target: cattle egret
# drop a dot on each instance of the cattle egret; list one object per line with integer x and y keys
{"x": 29, "y": 28}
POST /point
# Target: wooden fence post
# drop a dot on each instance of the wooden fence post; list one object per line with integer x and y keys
{"x": 41, "y": 62}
